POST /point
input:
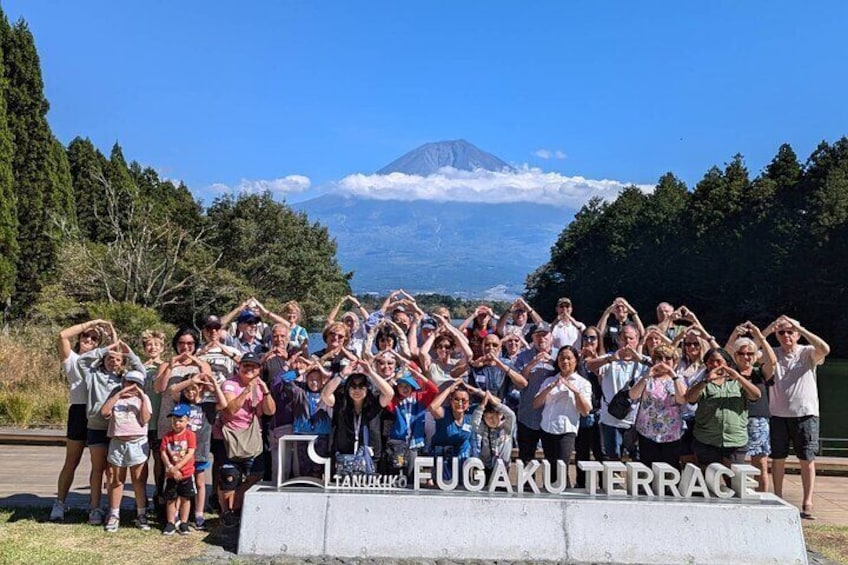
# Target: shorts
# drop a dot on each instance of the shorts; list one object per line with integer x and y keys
{"x": 96, "y": 438}
{"x": 254, "y": 466}
{"x": 200, "y": 466}
{"x": 184, "y": 488}
{"x": 77, "y": 422}
{"x": 758, "y": 436}
{"x": 708, "y": 454}
{"x": 128, "y": 452}
{"x": 803, "y": 432}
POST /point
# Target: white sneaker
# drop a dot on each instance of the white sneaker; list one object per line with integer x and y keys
{"x": 95, "y": 517}
{"x": 57, "y": 513}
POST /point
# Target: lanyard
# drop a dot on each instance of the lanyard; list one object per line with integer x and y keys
{"x": 357, "y": 423}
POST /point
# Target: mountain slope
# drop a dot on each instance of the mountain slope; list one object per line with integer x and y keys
{"x": 430, "y": 157}
{"x": 446, "y": 247}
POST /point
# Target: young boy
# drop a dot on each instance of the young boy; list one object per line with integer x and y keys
{"x": 128, "y": 411}
{"x": 177, "y": 453}
{"x": 191, "y": 393}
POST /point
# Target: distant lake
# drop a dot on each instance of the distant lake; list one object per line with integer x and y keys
{"x": 833, "y": 396}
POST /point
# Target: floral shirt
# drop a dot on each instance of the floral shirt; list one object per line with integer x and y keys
{"x": 659, "y": 416}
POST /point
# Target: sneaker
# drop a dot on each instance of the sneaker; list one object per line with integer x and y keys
{"x": 112, "y": 523}
{"x": 170, "y": 529}
{"x": 95, "y": 517}
{"x": 57, "y": 513}
{"x": 229, "y": 519}
{"x": 142, "y": 522}
{"x": 199, "y": 522}
{"x": 183, "y": 529}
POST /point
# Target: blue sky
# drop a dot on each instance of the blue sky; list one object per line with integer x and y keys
{"x": 214, "y": 93}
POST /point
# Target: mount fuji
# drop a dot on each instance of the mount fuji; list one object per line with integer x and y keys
{"x": 469, "y": 249}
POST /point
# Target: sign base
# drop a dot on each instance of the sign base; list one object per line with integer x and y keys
{"x": 571, "y": 527}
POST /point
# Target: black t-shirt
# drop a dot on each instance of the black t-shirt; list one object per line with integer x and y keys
{"x": 760, "y": 408}
{"x": 344, "y": 420}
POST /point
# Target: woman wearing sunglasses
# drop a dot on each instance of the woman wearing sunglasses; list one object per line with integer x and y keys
{"x": 745, "y": 352}
{"x": 88, "y": 336}
{"x": 588, "y": 440}
{"x": 659, "y": 423}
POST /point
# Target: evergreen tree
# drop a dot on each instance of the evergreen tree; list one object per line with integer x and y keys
{"x": 89, "y": 192}
{"x": 8, "y": 199}
{"x": 32, "y": 162}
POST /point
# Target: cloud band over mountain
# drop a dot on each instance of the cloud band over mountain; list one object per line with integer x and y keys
{"x": 527, "y": 184}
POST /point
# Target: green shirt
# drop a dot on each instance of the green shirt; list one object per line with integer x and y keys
{"x": 722, "y": 416}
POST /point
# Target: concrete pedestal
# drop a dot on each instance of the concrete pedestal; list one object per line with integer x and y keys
{"x": 574, "y": 528}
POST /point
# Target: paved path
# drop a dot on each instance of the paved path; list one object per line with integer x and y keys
{"x": 28, "y": 478}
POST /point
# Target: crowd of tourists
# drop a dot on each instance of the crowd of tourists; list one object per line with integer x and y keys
{"x": 393, "y": 384}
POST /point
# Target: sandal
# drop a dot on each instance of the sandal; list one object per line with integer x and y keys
{"x": 807, "y": 513}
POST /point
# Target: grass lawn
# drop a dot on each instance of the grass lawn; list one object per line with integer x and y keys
{"x": 830, "y": 541}
{"x": 26, "y": 536}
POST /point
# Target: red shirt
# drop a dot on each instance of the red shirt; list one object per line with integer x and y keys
{"x": 175, "y": 445}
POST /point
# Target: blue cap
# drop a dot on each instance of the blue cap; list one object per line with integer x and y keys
{"x": 180, "y": 411}
{"x": 408, "y": 379}
{"x": 247, "y": 316}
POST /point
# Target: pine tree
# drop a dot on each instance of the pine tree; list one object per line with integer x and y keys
{"x": 8, "y": 200}
{"x": 89, "y": 192}
{"x": 39, "y": 199}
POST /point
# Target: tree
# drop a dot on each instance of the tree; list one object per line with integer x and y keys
{"x": 8, "y": 199}
{"x": 278, "y": 251}
{"x": 89, "y": 194}
{"x": 39, "y": 187}
{"x": 143, "y": 262}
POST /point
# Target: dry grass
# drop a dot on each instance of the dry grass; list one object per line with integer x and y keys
{"x": 830, "y": 541}
{"x": 33, "y": 390}
{"x": 27, "y": 537}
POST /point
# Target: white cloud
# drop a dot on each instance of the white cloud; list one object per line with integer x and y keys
{"x": 291, "y": 184}
{"x": 550, "y": 153}
{"x": 526, "y": 184}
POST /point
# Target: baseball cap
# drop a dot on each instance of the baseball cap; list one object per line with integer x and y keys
{"x": 564, "y": 300}
{"x": 136, "y": 377}
{"x": 246, "y": 316}
{"x": 250, "y": 357}
{"x": 180, "y": 411}
{"x": 212, "y": 321}
{"x": 542, "y": 327}
{"x": 428, "y": 323}
{"x": 408, "y": 379}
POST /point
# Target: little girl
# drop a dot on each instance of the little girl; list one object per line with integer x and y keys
{"x": 128, "y": 411}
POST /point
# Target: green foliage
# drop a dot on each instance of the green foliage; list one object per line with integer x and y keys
{"x": 8, "y": 198}
{"x": 38, "y": 172}
{"x": 89, "y": 192}
{"x": 732, "y": 249}
{"x": 278, "y": 251}
{"x": 128, "y": 319}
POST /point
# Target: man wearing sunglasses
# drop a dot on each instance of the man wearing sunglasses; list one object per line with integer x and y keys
{"x": 794, "y": 404}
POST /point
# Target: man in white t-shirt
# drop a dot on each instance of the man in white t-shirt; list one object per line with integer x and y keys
{"x": 615, "y": 371}
{"x": 794, "y": 404}
{"x": 566, "y": 330}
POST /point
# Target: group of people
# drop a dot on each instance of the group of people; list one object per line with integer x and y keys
{"x": 399, "y": 382}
